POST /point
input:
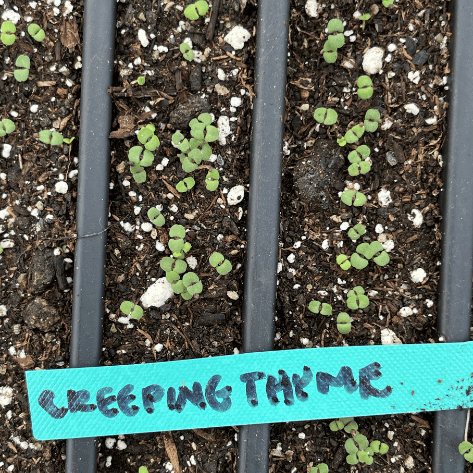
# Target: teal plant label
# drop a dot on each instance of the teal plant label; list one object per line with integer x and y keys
{"x": 252, "y": 388}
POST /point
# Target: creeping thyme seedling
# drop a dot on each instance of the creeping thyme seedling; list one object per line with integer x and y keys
{"x": 131, "y": 309}
{"x": 186, "y": 184}
{"x": 364, "y": 18}
{"x": 177, "y": 265}
{"x": 343, "y": 323}
{"x": 8, "y": 30}
{"x": 218, "y": 261}
{"x": 1, "y": 249}
{"x": 343, "y": 262}
{"x": 139, "y": 159}
{"x": 177, "y": 234}
{"x": 379, "y": 447}
{"x": 357, "y": 299}
{"x": 327, "y": 116}
{"x": 147, "y": 137}
{"x": 373, "y": 250}
{"x": 357, "y": 231}
{"x": 346, "y": 423}
{"x": 466, "y": 449}
{"x": 320, "y": 468}
{"x": 317, "y": 308}
{"x": 335, "y": 30}
{"x": 186, "y": 51}
{"x": 143, "y": 469}
{"x": 365, "y": 87}
{"x": 52, "y": 138}
{"x": 330, "y": 52}
{"x": 23, "y": 62}
{"x": 359, "y": 450}
{"x": 156, "y": 216}
{"x": 202, "y": 129}
{"x": 141, "y": 80}
{"x": 372, "y": 118}
{"x": 353, "y": 197}
{"x": 358, "y": 262}
{"x": 212, "y": 180}
{"x": 36, "y": 32}
{"x": 6, "y": 126}
{"x": 201, "y": 7}
{"x": 388, "y": 3}
{"x": 192, "y": 283}
{"x": 352, "y": 135}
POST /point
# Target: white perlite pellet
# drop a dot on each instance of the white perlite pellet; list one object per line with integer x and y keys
{"x": 418, "y": 275}
{"x": 157, "y": 294}
{"x": 143, "y": 38}
{"x": 6, "y": 395}
{"x": 388, "y": 337}
{"x": 384, "y": 197}
{"x": 312, "y": 8}
{"x": 237, "y": 37}
{"x": 61, "y": 187}
{"x": 235, "y": 195}
{"x": 416, "y": 218}
{"x": 373, "y": 60}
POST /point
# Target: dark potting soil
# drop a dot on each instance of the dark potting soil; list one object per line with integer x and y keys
{"x": 39, "y": 220}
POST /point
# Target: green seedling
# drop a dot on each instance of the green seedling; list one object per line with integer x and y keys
{"x": 354, "y": 134}
{"x": 185, "y": 185}
{"x": 343, "y": 262}
{"x": 194, "y": 10}
{"x": 357, "y": 298}
{"x": 202, "y": 129}
{"x": 131, "y": 309}
{"x": 357, "y": 231}
{"x": 373, "y": 250}
{"x": 172, "y": 277}
{"x": 141, "y": 80}
{"x": 143, "y": 469}
{"x": 330, "y": 51}
{"x": 361, "y": 152}
{"x": 52, "y": 138}
{"x": 23, "y": 62}
{"x": 147, "y": 137}
{"x": 36, "y": 32}
{"x": 320, "y": 468}
{"x": 68, "y": 141}
{"x": 192, "y": 283}
{"x": 139, "y": 159}
{"x": 218, "y": 261}
{"x": 387, "y": 3}
{"x": 186, "y": 51}
{"x": 181, "y": 142}
{"x": 177, "y": 234}
{"x": 335, "y": 30}
{"x": 317, "y": 308}
{"x": 8, "y": 30}
{"x": 365, "y": 87}
{"x": 185, "y": 249}
{"x": 372, "y": 118}
{"x": 327, "y": 116}
{"x": 212, "y": 180}
{"x": 379, "y": 447}
{"x": 343, "y": 323}
{"x": 156, "y": 216}
{"x": 6, "y": 126}
{"x": 1, "y": 249}
{"x": 364, "y": 18}
{"x": 466, "y": 449}
{"x": 356, "y": 158}
{"x": 346, "y": 423}
{"x": 192, "y": 160}
{"x": 358, "y": 450}
{"x": 177, "y": 265}
{"x": 353, "y": 197}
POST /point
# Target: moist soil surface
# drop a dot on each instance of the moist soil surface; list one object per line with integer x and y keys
{"x": 39, "y": 191}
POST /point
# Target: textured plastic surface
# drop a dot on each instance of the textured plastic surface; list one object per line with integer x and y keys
{"x": 92, "y": 204}
{"x": 263, "y": 206}
{"x": 252, "y": 388}
{"x": 456, "y": 271}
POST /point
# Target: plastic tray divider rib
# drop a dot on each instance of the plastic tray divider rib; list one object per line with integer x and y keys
{"x": 92, "y": 206}
{"x": 263, "y": 207}
{"x": 456, "y": 271}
